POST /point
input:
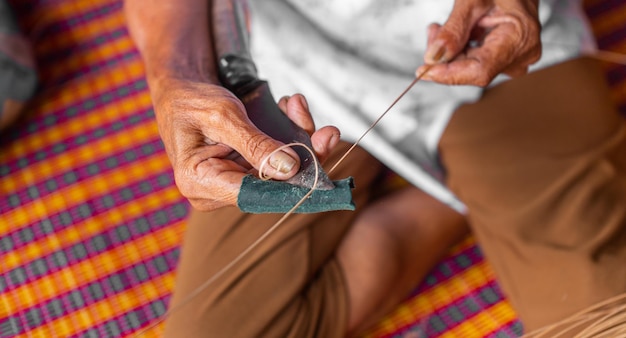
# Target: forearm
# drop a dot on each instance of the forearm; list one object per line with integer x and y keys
{"x": 173, "y": 38}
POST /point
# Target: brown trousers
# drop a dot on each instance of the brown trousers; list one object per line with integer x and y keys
{"x": 540, "y": 162}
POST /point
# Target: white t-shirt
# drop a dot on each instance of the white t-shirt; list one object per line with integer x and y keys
{"x": 352, "y": 58}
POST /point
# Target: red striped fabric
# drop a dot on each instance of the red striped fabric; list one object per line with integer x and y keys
{"x": 90, "y": 219}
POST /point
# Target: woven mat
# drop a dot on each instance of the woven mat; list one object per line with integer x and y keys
{"x": 90, "y": 219}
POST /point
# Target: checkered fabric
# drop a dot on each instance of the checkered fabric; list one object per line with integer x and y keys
{"x": 90, "y": 219}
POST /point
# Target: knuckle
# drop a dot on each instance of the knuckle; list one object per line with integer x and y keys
{"x": 184, "y": 185}
{"x": 483, "y": 80}
{"x": 257, "y": 146}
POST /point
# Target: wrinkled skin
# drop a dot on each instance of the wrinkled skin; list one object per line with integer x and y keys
{"x": 203, "y": 131}
{"x": 209, "y": 139}
{"x": 505, "y": 39}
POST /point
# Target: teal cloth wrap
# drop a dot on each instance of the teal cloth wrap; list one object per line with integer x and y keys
{"x": 258, "y": 197}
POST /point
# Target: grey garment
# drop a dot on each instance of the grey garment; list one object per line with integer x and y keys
{"x": 18, "y": 81}
{"x": 7, "y": 20}
{"x": 352, "y": 58}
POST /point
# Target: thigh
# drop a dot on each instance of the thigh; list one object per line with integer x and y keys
{"x": 540, "y": 162}
{"x": 288, "y": 286}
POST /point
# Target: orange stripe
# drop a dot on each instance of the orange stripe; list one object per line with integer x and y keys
{"x": 92, "y": 119}
{"x": 102, "y": 311}
{"x": 64, "y": 10}
{"x": 608, "y": 21}
{"x": 72, "y": 195}
{"x": 86, "y": 32}
{"x": 467, "y": 243}
{"x": 87, "y": 153}
{"x": 484, "y": 322}
{"x": 155, "y": 332}
{"x": 438, "y": 297}
{"x": 71, "y": 94}
{"x": 65, "y": 238}
{"x": 87, "y": 271}
{"x": 76, "y": 62}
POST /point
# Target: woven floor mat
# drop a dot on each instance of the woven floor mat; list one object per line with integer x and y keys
{"x": 90, "y": 218}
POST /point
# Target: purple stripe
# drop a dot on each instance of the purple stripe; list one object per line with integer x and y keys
{"x": 450, "y": 267}
{"x": 88, "y": 209}
{"x": 59, "y": 55}
{"x": 70, "y": 255}
{"x": 468, "y": 311}
{"x": 96, "y": 291}
{"x": 602, "y": 7}
{"x": 614, "y": 38}
{"x": 77, "y": 174}
{"x": 616, "y": 76}
{"x": 144, "y": 315}
{"x": 29, "y": 10}
{"x": 14, "y": 165}
{"x": 513, "y": 328}
{"x": 73, "y": 22}
{"x": 87, "y": 69}
{"x": 76, "y": 109}
{"x": 452, "y": 315}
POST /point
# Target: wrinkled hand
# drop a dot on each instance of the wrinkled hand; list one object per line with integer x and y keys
{"x": 504, "y": 35}
{"x": 212, "y": 144}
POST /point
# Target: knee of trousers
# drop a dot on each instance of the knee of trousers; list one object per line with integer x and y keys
{"x": 522, "y": 136}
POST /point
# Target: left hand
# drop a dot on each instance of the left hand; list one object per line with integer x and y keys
{"x": 505, "y": 36}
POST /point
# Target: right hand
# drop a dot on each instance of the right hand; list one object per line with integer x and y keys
{"x": 507, "y": 34}
{"x": 212, "y": 144}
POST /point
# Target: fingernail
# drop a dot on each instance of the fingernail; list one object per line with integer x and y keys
{"x": 334, "y": 140}
{"x": 435, "y": 52}
{"x": 284, "y": 98}
{"x": 304, "y": 103}
{"x": 282, "y": 162}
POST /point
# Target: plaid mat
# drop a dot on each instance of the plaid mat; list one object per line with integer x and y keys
{"x": 90, "y": 219}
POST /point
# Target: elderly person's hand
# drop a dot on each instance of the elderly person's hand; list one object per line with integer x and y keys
{"x": 481, "y": 39}
{"x": 212, "y": 144}
{"x": 208, "y": 137}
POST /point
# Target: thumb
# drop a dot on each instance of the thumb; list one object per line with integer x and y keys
{"x": 447, "y": 41}
{"x": 261, "y": 151}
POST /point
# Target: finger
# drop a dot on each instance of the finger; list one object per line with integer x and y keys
{"x": 524, "y": 31}
{"x": 225, "y": 194}
{"x": 462, "y": 71}
{"x": 210, "y": 183}
{"x": 260, "y": 151}
{"x": 282, "y": 104}
{"x": 324, "y": 140}
{"x": 298, "y": 111}
{"x": 236, "y": 157}
{"x": 433, "y": 30}
{"x": 452, "y": 37}
{"x": 474, "y": 68}
{"x": 233, "y": 127}
{"x": 479, "y": 65}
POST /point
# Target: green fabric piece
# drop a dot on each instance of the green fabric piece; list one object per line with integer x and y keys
{"x": 259, "y": 197}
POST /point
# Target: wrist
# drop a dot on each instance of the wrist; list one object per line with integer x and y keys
{"x": 162, "y": 70}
